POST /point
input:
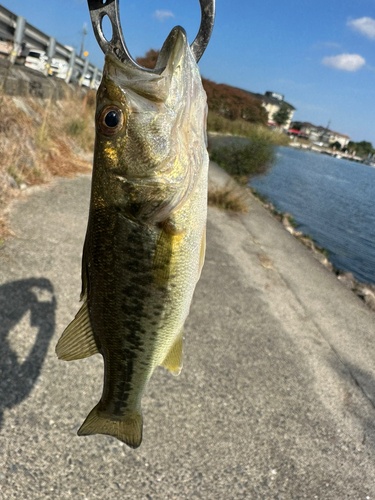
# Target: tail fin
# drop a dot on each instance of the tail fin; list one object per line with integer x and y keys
{"x": 128, "y": 430}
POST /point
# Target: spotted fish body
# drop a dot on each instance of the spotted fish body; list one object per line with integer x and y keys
{"x": 145, "y": 240}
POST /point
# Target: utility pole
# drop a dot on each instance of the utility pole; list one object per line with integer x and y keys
{"x": 84, "y": 33}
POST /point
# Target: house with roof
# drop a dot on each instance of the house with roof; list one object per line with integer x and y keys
{"x": 272, "y": 102}
{"x": 317, "y": 133}
{"x": 341, "y": 138}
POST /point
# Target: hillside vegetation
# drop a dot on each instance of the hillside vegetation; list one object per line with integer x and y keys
{"x": 42, "y": 139}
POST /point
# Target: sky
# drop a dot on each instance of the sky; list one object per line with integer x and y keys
{"x": 320, "y": 54}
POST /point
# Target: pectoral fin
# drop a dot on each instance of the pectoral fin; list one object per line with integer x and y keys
{"x": 77, "y": 340}
{"x": 173, "y": 360}
{"x": 168, "y": 242}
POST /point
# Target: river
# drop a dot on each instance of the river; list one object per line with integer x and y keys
{"x": 332, "y": 200}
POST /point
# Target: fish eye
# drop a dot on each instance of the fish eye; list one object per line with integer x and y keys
{"x": 111, "y": 120}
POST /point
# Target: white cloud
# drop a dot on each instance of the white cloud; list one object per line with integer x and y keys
{"x": 161, "y": 15}
{"x": 331, "y": 45}
{"x": 365, "y": 25}
{"x": 346, "y": 62}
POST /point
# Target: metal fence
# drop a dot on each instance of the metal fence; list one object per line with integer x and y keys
{"x": 16, "y": 35}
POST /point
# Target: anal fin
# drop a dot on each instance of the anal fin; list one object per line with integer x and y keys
{"x": 173, "y": 360}
{"x": 77, "y": 340}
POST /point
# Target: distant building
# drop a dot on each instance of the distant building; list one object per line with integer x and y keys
{"x": 273, "y": 101}
{"x": 317, "y": 133}
{"x": 341, "y": 138}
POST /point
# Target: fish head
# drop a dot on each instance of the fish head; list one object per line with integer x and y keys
{"x": 150, "y": 143}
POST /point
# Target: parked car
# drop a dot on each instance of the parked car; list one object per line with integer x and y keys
{"x": 86, "y": 82}
{"x": 36, "y": 59}
{"x": 59, "y": 67}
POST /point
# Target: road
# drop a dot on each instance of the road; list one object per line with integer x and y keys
{"x": 276, "y": 399}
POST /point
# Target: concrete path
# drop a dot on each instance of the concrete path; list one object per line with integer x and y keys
{"x": 275, "y": 401}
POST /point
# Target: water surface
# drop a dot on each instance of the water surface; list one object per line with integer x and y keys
{"x": 330, "y": 199}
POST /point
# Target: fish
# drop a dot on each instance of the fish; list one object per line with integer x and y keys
{"x": 146, "y": 233}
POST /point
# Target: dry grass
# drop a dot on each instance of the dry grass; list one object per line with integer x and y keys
{"x": 228, "y": 198}
{"x": 38, "y": 141}
{"x": 217, "y": 123}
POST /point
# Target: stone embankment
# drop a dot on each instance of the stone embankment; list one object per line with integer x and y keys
{"x": 22, "y": 81}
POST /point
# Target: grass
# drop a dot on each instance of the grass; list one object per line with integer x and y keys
{"x": 258, "y": 195}
{"x": 241, "y": 128}
{"x": 40, "y": 139}
{"x": 82, "y": 131}
{"x": 227, "y": 198}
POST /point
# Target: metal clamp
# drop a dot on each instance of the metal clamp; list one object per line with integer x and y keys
{"x": 101, "y": 8}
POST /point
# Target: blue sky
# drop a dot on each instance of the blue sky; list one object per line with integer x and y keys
{"x": 320, "y": 55}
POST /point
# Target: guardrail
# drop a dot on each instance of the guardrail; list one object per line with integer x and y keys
{"x": 16, "y": 34}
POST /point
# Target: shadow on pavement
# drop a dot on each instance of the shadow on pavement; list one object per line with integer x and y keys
{"x": 26, "y": 306}
{"x": 365, "y": 381}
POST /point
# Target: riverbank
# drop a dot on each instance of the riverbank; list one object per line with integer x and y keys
{"x": 326, "y": 151}
{"x": 364, "y": 291}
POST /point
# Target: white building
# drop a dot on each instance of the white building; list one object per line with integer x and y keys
{"x": 272, "y": 102}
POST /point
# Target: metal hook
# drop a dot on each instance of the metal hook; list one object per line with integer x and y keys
{"x": 205, "y": 29}
{"x": 101, "y": 8}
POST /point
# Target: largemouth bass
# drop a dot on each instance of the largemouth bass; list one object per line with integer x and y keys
{"x": 145, "y": 240}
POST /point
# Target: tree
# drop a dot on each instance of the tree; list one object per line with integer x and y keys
{"x": 233, "y": 103}
{"x": 281, "y": 116}
{"x": 363, "y": 148}
{"x": 296, "y": 125}
{"x": 335, "y": 145}
{"x": 149, "y": 60}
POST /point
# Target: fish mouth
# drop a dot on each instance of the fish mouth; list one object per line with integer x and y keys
{"x": 152, "y": 84}
{"x": 172, "y": 48}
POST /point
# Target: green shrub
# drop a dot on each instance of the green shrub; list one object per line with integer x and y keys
{"x": 244, "y": 160}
